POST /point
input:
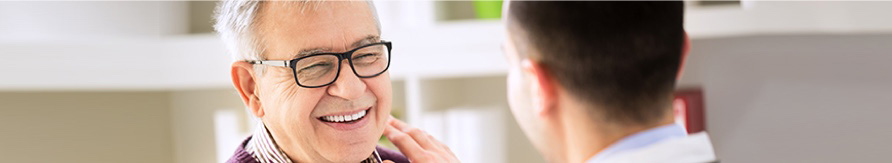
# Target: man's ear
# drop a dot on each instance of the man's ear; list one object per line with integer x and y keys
{"x": 542, "y": 87}
{"x": 243, "y": 80}
{"x": 685, "y": 48}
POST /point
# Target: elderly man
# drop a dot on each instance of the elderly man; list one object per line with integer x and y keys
{"x": 315, "y": 74}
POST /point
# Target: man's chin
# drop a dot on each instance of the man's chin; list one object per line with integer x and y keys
{"x": 352, "y": 142}
{"x": 351, "y": 153}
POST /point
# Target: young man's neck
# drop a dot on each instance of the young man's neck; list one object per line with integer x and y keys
{"x": 584, "y": 137}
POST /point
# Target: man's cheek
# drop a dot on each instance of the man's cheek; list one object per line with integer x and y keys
{"x": 380, "y": 82}
{"x": 513, "y": 85}
{"x": 301, "y": 103}
{"x": 516, "y": 91}
{"x": 380, "y": 86}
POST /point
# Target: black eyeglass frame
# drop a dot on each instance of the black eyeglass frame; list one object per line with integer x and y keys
{"x": 341, "y": 56}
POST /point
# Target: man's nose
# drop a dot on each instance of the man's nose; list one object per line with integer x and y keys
{"x": 348, "y": 85}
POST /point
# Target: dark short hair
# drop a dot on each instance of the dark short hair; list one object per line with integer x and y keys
{"x": 623, "y": 56}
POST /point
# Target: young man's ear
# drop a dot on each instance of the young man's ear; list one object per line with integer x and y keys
{"x": 243, "y": 80}
{"x": 685, "y": 49}
{"x": 542, "y": 87}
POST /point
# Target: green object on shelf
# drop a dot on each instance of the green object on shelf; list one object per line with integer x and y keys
{"x": 488, "y": 9}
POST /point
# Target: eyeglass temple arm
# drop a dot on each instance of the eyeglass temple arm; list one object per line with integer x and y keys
{"x": 279, "y": 63}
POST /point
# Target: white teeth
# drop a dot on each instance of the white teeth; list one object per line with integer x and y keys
{"x": 344, "y": 118}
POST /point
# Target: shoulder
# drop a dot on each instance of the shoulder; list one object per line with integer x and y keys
{"x": 387, "y": 154}
{"x": 240, "y": 155}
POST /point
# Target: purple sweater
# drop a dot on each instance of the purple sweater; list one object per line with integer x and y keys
{"x": 242, "y": 156}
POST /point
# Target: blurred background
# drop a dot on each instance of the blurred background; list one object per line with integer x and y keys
{"x": 149, "y": 81}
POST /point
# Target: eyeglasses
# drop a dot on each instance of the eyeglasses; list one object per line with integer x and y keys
{"x": 322, "y": 69}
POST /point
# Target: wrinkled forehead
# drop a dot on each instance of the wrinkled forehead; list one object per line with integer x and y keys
{"x": 287, "y": 28}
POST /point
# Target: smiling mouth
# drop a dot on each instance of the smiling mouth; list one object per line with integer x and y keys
{"x": 349, "y": 118}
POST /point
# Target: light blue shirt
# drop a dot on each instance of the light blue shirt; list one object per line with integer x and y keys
{"x": 639, "y": 140}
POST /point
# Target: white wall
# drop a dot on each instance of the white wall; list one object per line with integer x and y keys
{"x": 49, "y": 127}
{"x": 818, "y": 98}
{"x": 117, "y": 126}
{"x": 192, "y": 120}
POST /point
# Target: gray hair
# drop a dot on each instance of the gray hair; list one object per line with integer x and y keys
{"x": 234, "y": 22}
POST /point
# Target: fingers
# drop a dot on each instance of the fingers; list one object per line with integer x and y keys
{"x": 386, "y": 125}
{"x": 388, "y": 161}
{"x": 397, "y": 123}
{"x": 404, "y": 142}
{"x": 417, "y": 145}
{"x": 422, "y": 138}
{"x": 442, "y": 146}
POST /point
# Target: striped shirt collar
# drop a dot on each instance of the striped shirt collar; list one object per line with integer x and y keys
{"x": 264, "y": 149}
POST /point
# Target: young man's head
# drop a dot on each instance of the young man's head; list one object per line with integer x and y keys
{"x": 318, "y": 104}
{"x": 598, "y": 66}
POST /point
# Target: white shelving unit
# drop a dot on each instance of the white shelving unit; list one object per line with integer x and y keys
{"x": 187, "y": 60}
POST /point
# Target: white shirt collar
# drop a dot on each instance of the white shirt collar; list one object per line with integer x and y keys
{"x": 639, "y": 140}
